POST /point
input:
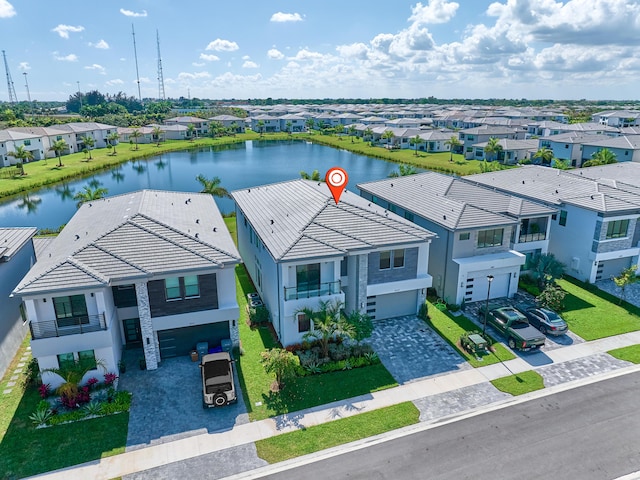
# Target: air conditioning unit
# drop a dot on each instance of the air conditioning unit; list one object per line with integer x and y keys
{"x": 256, "y": 303}
{"x": 253, "y": 296}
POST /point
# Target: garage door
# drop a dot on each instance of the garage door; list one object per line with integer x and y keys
{"x": 181, "y": 341}
{"x": 478, "y": 285}
{"x": 394, "y": 305}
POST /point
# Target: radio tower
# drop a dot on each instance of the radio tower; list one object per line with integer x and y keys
{"x": 135, "y": 54}
{"x": 161, "y": 94}
{"x": 13, "y": 98}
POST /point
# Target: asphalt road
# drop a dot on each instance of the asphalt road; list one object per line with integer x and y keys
{"x": 591, "y": 432}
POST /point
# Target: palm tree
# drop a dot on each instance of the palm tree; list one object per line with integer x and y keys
{"x": 310, "y": 123}
{"x": 351, "y": 130}
{"x": 89, "y": 143}
{"x": 90, "y": 193}
{"x": 453, "y": 143}
{"x": 403, "y": 170}
{"x": 604, "y": 157}
{"x": 288, "y": 126}
{"x": 30, "y": 203}
{"x": 157, "y": 135}
{"x": 58, "y": 147}
{"x": 493, "y": 148}
{"x": 260, "y": 126}
{"x": 212, "y": 187}
{"x": 191, "y": 131}
{"x": 315, "y": 176}
{"x": 388, "y": 135}
{"x": 545, "y": 154}
{"x": 546, "y": 269}
{"x": 416, "y": 141}
{"x": 328, "y": 324}
{"x": 135, "y": 134}
{"x": 113, "y": 138}
{"x": 368, "y": 133}
{"x": 22, "y": 155}
{"x": 72, "y": 375}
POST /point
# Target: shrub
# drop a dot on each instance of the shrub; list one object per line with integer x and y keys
{"x": 41, "y": 416}
{"x": 339, "y": 352}
{"x": 258, "y": 315}
{"x": 423, "y": 312}
{"x": 67, "y": 417}
{"x": 44, "y": 390}
{"x": 93, "y": 408}
{"x": 110, "y": 378}
{"x": 32, "y": 373}
{"x": 552, "y": 297}
{"x": 91, "y": 382}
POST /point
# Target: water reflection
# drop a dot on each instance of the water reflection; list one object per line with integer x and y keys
{"x": 64, "y": 191}
{"x": 29, "y": 203}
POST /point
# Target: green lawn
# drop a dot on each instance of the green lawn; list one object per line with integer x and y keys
{"x": 25, "y": 451}
{"x": 592, "y": 313}
{"x": 327, "y": 435}
{"x": 629, "y": 354}
{"x": 519, "y": 383}
{"x": 451, "y": 328}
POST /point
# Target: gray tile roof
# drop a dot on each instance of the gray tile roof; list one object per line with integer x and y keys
{"x": 13, "y": 239}
{"x": 299, "y": 219}
{"x": 453, "y": 202}
{"x": 138, "y": 235}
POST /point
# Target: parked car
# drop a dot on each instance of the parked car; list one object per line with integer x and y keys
{"x": 547, "y": 321}
{"x": 218, "y": 388}
{"x": 515, "y": 327}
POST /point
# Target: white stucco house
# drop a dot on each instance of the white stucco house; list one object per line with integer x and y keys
{"x": 300, "y": 247}
{"x": 156, "y": 272}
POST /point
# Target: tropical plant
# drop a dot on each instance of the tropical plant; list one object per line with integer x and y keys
{"x": 493, "y": 148}
{"x": 191, "y": 131}
{"x": 388, "y": 135}
{"x": 281, "y": 363}
{"x": 403, "y": 170}
{"x": 351, "y": 130}
{"x": 22, "y": 155}
{"x": 93, "y": 408}
{"x": 288, "y": 126}
{"x": 260, "y": 126}
{"x": 626, "y": 277}
{"x": 157, "y": 135}
{"x": 41, "y": 416}
{"x": 113, "y": 138}
{"x": 601, "y": 157}
{"x": 328, "y": 324}
{"x": 545, "y": 154}
{"x": 415, "y": 141}
{"x": 546, "y": 269}
{"x": 561, "y": 164}
{"x": 362, "y": 325}
{"x": 72, "y": 374}
{"x": 212, "y": 187}
{"x": 368, "y": 133}
{"x": 58, "y": 147}
{"x": 315, "y": 176}
{"x": 135, "y": 135}
{"x": 310, "y": 123}
{"x": 552, "y": 296}
{"x": 89, "y": 143}
{"x": 44, "y": 390}
{"x": 453, "y": 143}
{"x": 89, "y": 194}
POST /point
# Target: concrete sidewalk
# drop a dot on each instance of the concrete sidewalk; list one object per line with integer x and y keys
{"x": 195, "y": 446}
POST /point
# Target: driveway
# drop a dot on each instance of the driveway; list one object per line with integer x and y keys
{"x": 167, "y": 402}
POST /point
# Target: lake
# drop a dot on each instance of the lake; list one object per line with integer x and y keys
{"x": 239, "y": 166}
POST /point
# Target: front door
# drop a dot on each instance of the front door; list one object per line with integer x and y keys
{"x": 132, "y": 333}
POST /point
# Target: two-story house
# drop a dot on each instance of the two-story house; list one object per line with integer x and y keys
{"x": 200, "y": 125}
{"x": 479, "y": 232}
{"x": 471, "y": 136}
{"x": 153, "y": 269}
{"x": 300, "y": 247}
{"x": 596, "y": 232}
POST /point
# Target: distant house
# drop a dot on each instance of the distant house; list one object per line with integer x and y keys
{"x": 17, "y": 256}
{"x": 512, "y": 150}
{"x": 292, "y": 123}
{"x": 617, "y": 118}
{"x": 146, "y": 135}
{"x": 568, "y": 146}
{"x": 626, "y": 148}
{"x": 200, "y": 125}
{"x": 300, "y": 247}
{"x": 156, "y": 272}
{"x": 265, "y": 124}
{"x": 230, "y": 121}
{"x": 472, "y": 136}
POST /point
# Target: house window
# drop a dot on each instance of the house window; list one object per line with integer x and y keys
{"x": 617, "y": 229}
{"x": 308, "y": 277}
{"x": 66, "y": 360}
{"x": 191, "y": 288}
{"x": 385, "y": 260}
{"x": 87, "y": 358}
{"x": 409, "y": 216}
{"x": 490, "y": 238}
{"x": 70, "y": 310}
{"x": 465, "y": 236}
{"x": 27, "y": 142}
{"x": 398, "y": 258}
{"x": 563, "y": 218}
{"x": 304, "y": 323}
{"x": 344, "y": 267}
{"x": 172, "y": 288}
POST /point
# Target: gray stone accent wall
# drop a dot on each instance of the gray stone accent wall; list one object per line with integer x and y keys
{"x": 234, "y": 332}
{"x": 361, "y": 297}
{"x": 149, "y": 341}
{"x": 602, "y": 245}
{"x": 409, "y": 271}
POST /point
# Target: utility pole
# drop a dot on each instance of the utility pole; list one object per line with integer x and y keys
{"x": 135, "y": 54}
{"x": 13, "y": 98}
{"x": 79, "y": 95}
{"x": 161, "y": 94}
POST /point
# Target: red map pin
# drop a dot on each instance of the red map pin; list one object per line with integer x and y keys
{"x": 336, "y": 179}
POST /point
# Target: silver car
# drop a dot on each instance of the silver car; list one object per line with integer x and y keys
{"x": 547, "y": 321}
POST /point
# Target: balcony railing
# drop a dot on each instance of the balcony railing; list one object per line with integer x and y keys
{"x": 328, "y": 288}
{"x": 532, "y": 237}
{"x": 67, "y": 326}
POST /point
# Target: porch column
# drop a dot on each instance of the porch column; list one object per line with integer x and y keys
{"x": 149, "y": 344}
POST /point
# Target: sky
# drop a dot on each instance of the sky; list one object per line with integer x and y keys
{"x": 324, "y": 49}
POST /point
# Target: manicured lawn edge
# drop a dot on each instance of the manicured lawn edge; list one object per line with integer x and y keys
{"x": 520, "y": 383}
{"x": 629, "y": 354}
{"x": 451, "y": 328}
{"x": 345, "y": 430}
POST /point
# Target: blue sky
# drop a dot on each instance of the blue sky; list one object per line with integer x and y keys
{"x": 255, "y": 49}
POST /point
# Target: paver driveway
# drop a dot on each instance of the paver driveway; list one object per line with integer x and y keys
{"x": 167, "y": 403}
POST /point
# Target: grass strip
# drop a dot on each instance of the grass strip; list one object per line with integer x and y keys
{"x": 327, "y": 435}
{"x": 519, "y": 383}
{"x": 629, "y": 354}
{"x": 451, "y": 328}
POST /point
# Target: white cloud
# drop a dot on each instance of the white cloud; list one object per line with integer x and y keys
{"x": 246, "y": 57}
{"x": 72, "y": 57}
{"x": 436, "y": 11}
{"x": 130, "y": 13}
{"x": 24, "y": 66}
{"x": 275, "y": 54}
{"x": 209, "y": 58}
{"x": 102, "y": 45}
{"x": 193, "y": 76}
{"x": 305, "y": 54}
{"x": 63, "y": 30}
{"x": 355, "y": 50}
{"x": 220, "y": 45}
{"x": 198, "y": 64}
{"x": 286, "y": 17}
{"x": 145, "y": 80}
{"x": 99, "y": 68}
{"x": 114, "y": 82}
{"x": 6, "y": 9}
{"x": 249, "y": 64}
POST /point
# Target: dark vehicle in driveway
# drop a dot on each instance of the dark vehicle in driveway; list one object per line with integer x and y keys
{"x": 547, "y": 321}
{"x": 514, "y": 326}
{"x": 218, "y": 388}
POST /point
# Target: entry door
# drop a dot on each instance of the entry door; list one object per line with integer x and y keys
{"x": 132, "y": 333}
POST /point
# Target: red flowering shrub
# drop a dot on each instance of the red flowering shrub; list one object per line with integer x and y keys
{"x": 91, "y": 382}
{"x": 109, "y": 378}
{"x": 44, "y": 390}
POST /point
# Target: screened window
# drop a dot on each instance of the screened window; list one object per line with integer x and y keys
{"x": 172, "y": 288}
{"x": 66, "y": 360}
{"x": 465, "y": 236}
{"x": 409, "y": 216}
{"x": 70, "y": 310}
{"x": 87, "y": 358}
{"x": 191, "y": 287}
{"x": 617, "y": 229}
{"x": 304, "y": 323}
{"x": 308, "y": 277}
{"x": 563, "y": 218}
{"x": 398, "y": 258}
{"x": 490, "y": 238}
{"x": 385, "y": 260}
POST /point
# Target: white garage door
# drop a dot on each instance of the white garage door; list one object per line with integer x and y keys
{"x": 478, "y": 285}
{"x": 394, "y": 304}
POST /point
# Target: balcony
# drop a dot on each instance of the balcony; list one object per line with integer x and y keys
{"x": 328, "y": 288}
{"x": 68, "y": 326}
{"x": 532, "y": 237}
